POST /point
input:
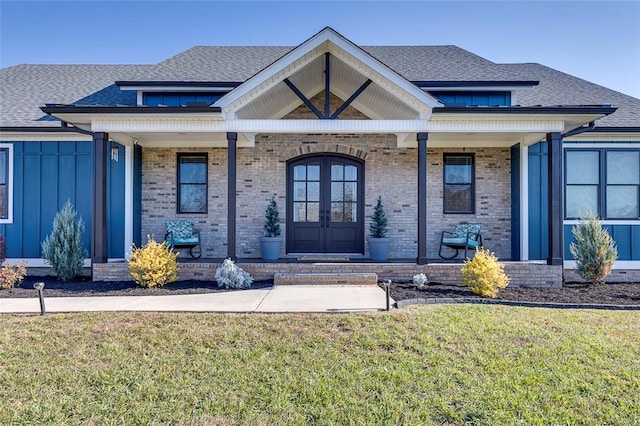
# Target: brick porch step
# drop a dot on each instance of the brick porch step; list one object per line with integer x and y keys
{"x": 325, "y": 278}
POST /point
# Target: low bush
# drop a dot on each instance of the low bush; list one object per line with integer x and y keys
{"x": 12, "y": 275}
{"x": 595, "y": 251}
{"x": 484, "y": 274}
{"x": 154, "y": 264}
{"x": 420, "y": 280}
{"x": 230, "y": 275}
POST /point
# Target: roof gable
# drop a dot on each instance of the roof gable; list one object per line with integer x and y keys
{"x": 305, "y": 67}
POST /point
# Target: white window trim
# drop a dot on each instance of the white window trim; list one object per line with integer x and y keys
{"x": 9, "y": 218}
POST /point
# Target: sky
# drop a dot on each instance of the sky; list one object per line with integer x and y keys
{"x": 595, "y": 40}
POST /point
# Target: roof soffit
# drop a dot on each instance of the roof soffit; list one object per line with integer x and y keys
{"x": 307, "y": 56}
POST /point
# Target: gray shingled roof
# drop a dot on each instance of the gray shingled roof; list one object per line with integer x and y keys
{"x": 558, "y": 88}
{"x": 415, "y": 63}
{"x": 25, "y": 88}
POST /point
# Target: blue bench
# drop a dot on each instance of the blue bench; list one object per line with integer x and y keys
{"x": 180, "y": 234}
{"x": 464, "y": 236}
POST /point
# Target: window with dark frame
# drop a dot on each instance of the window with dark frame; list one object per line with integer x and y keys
{"x": 623, "y": 184}
{"x": 605, "y": 182}
{"x": 192, "y": 183}
{"x": 582, "y": 188}
{"x": 459, "y": 190}
{"x": 4, "y": 183}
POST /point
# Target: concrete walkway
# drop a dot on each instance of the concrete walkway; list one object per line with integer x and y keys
{"x": 290, "y": 298}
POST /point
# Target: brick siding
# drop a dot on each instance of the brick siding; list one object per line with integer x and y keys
{"x": 390, "y": 172}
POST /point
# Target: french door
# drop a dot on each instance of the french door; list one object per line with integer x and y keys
{"x": 325, "y": 205}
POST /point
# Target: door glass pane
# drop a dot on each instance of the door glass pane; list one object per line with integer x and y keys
{"x": 299, "y": 173}
{"x": 337, "y": 172}
{"x": 337, "y": 193}
{"x": 581, "y": 199}
{"x": 623, "y": 167}
{"x": 299, "y": 212}
{"x": 299, "y": 191}
{"x": 313, "y": 191}
{"x": 350, "y": 173}
{"x": 350, "y": 191}
{"x": 336, "y": 212}
{"x": 622, "y": 202}
{"x": 350, "y": 211}
{"x": 313, "y": 212}
{"x": 583, "y": 167}
{"x": 313, "y": 171}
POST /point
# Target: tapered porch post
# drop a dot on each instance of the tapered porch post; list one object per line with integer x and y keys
{"x": 232, "y": 139}
{"x": 99, "y": 211}
{"x": 556, "y": 231}
{"x": 422, "y": 198}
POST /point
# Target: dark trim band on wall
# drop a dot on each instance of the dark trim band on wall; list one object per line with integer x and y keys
{"x": 232, "y": 138}
{"x": 422, "y": 197}
{"x": 556, "y": 216}
{"x": 99, "y": 219}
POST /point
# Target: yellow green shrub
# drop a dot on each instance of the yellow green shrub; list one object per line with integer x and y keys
{"x": 154, "y": 264}
{"x": 12, "y": 275}
{"x": 484, "y": 274}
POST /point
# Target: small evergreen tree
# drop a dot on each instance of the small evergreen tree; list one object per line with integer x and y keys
{"x": 378, "y": 226}
{"x": 62, "y": 249}
{"x": 594, "y": 250}
{"x": 272, "y": 219}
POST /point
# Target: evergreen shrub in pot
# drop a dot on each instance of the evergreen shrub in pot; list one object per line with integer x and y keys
{"x": 271, "y": 241}
{"x": 378, "y": 241}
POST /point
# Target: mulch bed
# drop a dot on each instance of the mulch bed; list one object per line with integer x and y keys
{"x": 575, "y": 293}
{"x": 608, "y": 294}
{"x": 83, "y": 286}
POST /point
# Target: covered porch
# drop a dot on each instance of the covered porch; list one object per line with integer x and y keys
{"x": 326, "y": 129}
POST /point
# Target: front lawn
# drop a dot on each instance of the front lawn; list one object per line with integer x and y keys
{"x": 421, "y": 365}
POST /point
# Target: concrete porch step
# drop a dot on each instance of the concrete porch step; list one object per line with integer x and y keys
{"x": 325, "y": 278}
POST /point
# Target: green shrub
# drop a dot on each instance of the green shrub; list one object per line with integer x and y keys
{"x": 272, "y": 219}
{"x": 12, "y": 275}
{"x": 230, "y": 275}
{"x": 378, "y": 226}
{"x": 62, "y": 249}
{"x": 484, "y": 274}
{"x": 154, "y": 264}
{"x": 594, "y": 250}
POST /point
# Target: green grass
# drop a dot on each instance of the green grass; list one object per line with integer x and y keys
{"x": 423, "y": 365}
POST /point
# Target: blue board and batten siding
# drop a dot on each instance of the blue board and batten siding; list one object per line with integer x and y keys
{"x": 46, "y": 175}
{"x": 538, "y": 202}
{"x": 461, "y": 98}
{"x": 627, "y": 237}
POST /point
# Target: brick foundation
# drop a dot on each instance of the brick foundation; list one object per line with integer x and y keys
{"x": 522, "y": 274}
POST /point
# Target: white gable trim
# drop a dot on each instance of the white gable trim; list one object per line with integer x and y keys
{"x": 330, "y": 41}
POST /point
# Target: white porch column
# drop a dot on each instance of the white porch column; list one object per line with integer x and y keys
{"x": 524, "y": 202}
{"x": 128, "y": 199}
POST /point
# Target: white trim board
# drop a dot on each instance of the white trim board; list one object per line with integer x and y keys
{"x": 10, "y": 182}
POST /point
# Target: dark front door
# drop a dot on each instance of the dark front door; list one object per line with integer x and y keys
{"x": 325, "y": 205}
